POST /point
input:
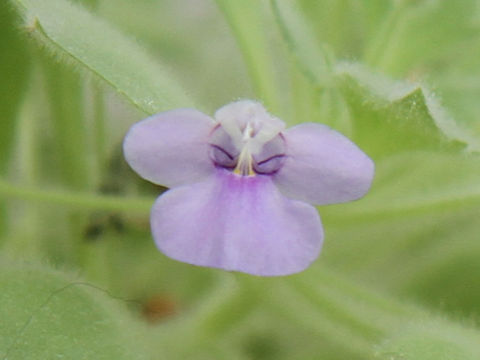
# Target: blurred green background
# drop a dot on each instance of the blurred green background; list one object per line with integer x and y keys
{"x": 81, "y": 278}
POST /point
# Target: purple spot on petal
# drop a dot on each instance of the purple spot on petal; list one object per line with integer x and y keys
{"x": 221, "y": 157}
{"x": 269, "y": 166}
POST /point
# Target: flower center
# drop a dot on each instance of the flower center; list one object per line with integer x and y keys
{"x": 247, "y": 140}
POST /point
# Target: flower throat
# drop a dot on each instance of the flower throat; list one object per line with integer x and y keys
{"x": 245, "y": 160}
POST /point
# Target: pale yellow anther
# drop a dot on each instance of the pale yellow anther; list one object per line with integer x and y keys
{"x": 245, "y": 161}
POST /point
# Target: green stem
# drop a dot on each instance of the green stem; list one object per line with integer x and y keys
{"x": 246, "y": 21}
{"x": 25, "y": 234}
{"x": 99, "y": 135}
{"x": 354, "y": 214}
{"x": 66, "y": 95}
{"x": 76, "y": 199}
{"x": 314, "y": 60}
{"x": 304, "y": 98}
{"x": 66, "y": 99}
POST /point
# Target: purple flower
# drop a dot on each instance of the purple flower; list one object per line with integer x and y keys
{"x": 242, "y": 185}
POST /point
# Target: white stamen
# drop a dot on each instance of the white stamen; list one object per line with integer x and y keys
{"x": 248, "y": 132}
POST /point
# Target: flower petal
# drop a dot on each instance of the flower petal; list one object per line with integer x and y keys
{"x": 237, "y": 223}
{"x": 323, "y": 166}
{"x": 170, "y": 148}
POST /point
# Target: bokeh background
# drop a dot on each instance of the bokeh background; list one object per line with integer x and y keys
{"x": 81, "y": 278}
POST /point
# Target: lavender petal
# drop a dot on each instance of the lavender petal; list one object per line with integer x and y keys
{"x": 237, "y": 223}
{"x": 323, "y": 167}
{"x": 170, "y": 148}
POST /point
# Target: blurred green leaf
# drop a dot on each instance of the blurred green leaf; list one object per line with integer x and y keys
{"x": 359, "y": 318}
{"x": 345, "y": 25}
{"x": 74, "y": 35}
{"x": 431, "y": 257}
{"x": 431, "y": 340}
{"x": 311, "y": 58}
{"x": 428, "y": 204}
{"x": 421, "y": 33}
{"x": 386, "y": 116}
{"x": 46, "y": 314}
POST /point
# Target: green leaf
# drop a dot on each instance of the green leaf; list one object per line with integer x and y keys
{"x": 392, "y": 116}
{"x": 48, "y": 315}
{"x": 74, "y": 35}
